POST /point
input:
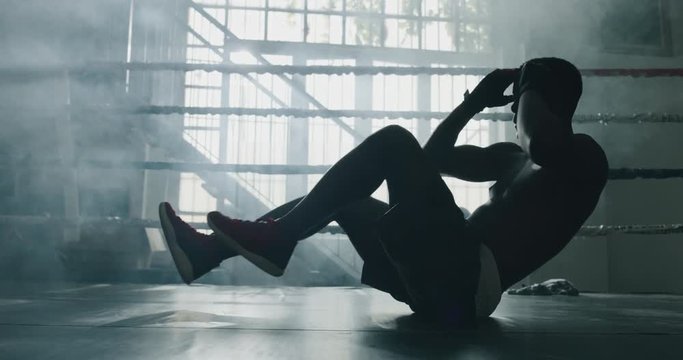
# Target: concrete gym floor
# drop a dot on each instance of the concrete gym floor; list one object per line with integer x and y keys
{"x": 102, "y": 321}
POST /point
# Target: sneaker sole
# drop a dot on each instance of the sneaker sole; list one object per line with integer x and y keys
{"x": 182, "y": 262}
{"x": 260, "y": 262}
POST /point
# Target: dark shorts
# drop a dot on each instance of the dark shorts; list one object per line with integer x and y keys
{"x": 429, "y": 261}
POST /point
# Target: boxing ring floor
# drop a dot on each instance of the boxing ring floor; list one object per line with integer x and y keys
{"x": 126, "y": 321}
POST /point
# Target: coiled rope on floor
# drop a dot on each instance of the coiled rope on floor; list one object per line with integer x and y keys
{"x": 585, "y": 231}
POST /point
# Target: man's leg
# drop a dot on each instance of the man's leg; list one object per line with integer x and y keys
{"x": 382, "y": 156}
{"x": 358, "y": 219}
{"x": 424, "y": 235}
{"x": 360, "y": 223}
{"x": 195, "y": 254}
{"x": 283, "y": 209}
{"x": 388, "y": 154}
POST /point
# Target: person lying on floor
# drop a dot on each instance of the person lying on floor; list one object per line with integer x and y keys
{"x": 419, "y": 247}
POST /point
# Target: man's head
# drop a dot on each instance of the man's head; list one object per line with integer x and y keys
{"x": 558, "y": 81}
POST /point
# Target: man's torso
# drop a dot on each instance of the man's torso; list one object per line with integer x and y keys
{"x": 534, "y": 211}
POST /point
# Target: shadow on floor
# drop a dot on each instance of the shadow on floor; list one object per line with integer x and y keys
{"x": 417, "y": 337}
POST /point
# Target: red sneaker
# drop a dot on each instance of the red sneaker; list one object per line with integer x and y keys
{"x": 257, "y": 241}
{"x": 194, "y": 253}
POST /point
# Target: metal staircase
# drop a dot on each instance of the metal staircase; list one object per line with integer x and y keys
{"x": 248, "y": 202}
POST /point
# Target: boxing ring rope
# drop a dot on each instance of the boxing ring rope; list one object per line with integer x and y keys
{"x": 312, "y": 70}
{"x": 268, "y": 169}
{"x": 383, "y": 114}
{"x": 601, "y": 118}
{"x": 585, "y": 231}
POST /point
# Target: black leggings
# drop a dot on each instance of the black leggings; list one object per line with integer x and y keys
{"x": 416, "y": 247}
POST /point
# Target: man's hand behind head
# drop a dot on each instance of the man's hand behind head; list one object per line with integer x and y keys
{"x": 489, "y": 91}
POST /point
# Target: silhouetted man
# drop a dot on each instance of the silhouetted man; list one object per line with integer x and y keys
{"x": 419, "y": 247}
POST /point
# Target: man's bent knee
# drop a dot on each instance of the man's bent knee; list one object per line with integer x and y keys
{"x": 395, "y": 138}
{"x": 395, "y": 132}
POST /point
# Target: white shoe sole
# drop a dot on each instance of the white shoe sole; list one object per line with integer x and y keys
{"x": 182, "y": 262}
{"x": 260, "y": 262}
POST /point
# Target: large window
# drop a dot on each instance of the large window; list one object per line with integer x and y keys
{"x": 354, "y": 32}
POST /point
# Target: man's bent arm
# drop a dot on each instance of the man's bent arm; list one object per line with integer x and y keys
{"x": 488, "y": 93}
{"x": 443, "y": 139}
{"x": 476, "y": 164}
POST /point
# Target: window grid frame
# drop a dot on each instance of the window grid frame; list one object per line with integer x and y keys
{"x": 456, "y": 20}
